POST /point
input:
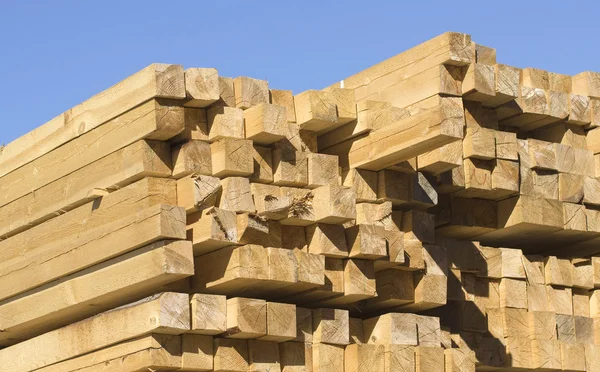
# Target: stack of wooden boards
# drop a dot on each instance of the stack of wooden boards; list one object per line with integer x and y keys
{"x": 435, "y": 212}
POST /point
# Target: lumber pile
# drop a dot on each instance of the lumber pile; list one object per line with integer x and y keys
{"x": 435, "y": 212}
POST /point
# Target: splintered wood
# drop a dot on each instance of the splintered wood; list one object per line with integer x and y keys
{"x": 438, "y": 211}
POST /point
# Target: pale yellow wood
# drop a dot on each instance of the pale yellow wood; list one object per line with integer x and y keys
{"x": 159, "y": 351}
{"x": 150, "y": 224}
{"x": 428, "y": 358}
{"x": 363, "y": 182}
{"x": 592, "y": 357}
{"x": 327, "y": 358}
{"x": 587, "y": 84}
{"x": 407, "y": 189}
{"x": 301, "y": 211}
{"x": 371, "y": 115}
{"x": 230, "y": 157}
{"x": 513, "y": 293}
{"x": 196, "y": 193}
{"x": 195, "y": 126}
{"x": 316, "y": 111}
{"x": 212, "y": 229}
{"x": 391, "y": 328}
{"x": 479, "y": 83}
{"x": 59, "y": 234}
{"x": 535, "y": 78}
{"x": 166, "y": 313}
{"x": 197, "y": 353}
{"x": 442, "y": 159}
{"x": 581, "y": 302}
{"x": 208, "y": 314}
{"x": 545, "y": 354}
{"x": 516, "y": 339}
{"x": 560, "y": 300}
{"x": 439, "y": 79}
{"x": 284, "y": 98}
{"x": 331, "y": 285}
{"x": 448, "y": 48}
{"x": 263, "y": 164}
{"x": 534, "y": 269}
{"x": 366, "y": 241}
{"x": 201, "y": 86}
{"x": 193, "y": 157}
{"x": 303, "y": 325}
{"x": 97, "y": 289}
{"x": 595, "y": 112}
{"x": 296, "y": 356}
{"x": 558, "y": 271}
{"x": 246, "y": 318}
{"x": 252, "y": 229}
{"x": 290, "y": 168}
{"x": 345, "y": 102}
{"x": 237, "y": 195}
{"x": 331, "y": 326}
{"x": 399, "y": 358}
{"x": 223, "y": 265}
{"x": 364, "y": 358}
{"x": 226, "y": 91}
{"x": 357, "y": 332}
{"x": 583, "y": 273}
{"x": 479, "y": 143}
{"x": 570, "y": 187}
{"x": 359, "y": 283}
{"x": 459, "y": 360}
{"x": 265, "y": 123}
{"x": 596, "y": 267}
{"x": 394, "y": 288}
{"x": 231, "y": 355}
{"x": 580, "y": 110}
{"x": 271, "y": 204}
{"x": 150, "y": 120}
{"x": 323, "y": 169}
{"x": 584, "y": 330}
{"x": 572, "y": 357}
{"x": 452, "y": 180}
{"x": 327, "y": 240}
{"x": 484, "y": 54}
{"x": 225, "y": 122}
{"x": 334, "y": 204}
{"x": 156, "y": 80}
{"x": 281, "y": 322}
{"x": 250, "y": 92}
{"x": 591, "y": 191}
{"x": 404, "y": 139}
{"x": 542, "y": 325}
{"x": 139, "y": 160}
{"x": 507, "y": 85}
{"x": 478, "y": 178}
{"x": 517, "y": 215}
{"x": 263, "y": 356}
{"x": 505, "y": 178}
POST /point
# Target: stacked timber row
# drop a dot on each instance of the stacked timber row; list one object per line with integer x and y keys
{"x": 436, "y": 212}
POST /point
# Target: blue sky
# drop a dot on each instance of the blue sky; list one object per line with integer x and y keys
{"x": 56, "y": 54}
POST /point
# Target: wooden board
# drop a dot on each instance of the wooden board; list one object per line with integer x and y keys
{"x": 150, "y": 120}
{"x": 404, "y": 139}
{"x": 128, "y": 165}
{"x": 155, "y": 351}
{"x": 99, "y": 288}
{"x": 449, "y": 48}
{"x": 156, "y": 80}
{"x": 45, "y": 263}
{"x": 167, "y": 313}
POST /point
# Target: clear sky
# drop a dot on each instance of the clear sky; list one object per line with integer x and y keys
{"x": 55, "y": 54}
